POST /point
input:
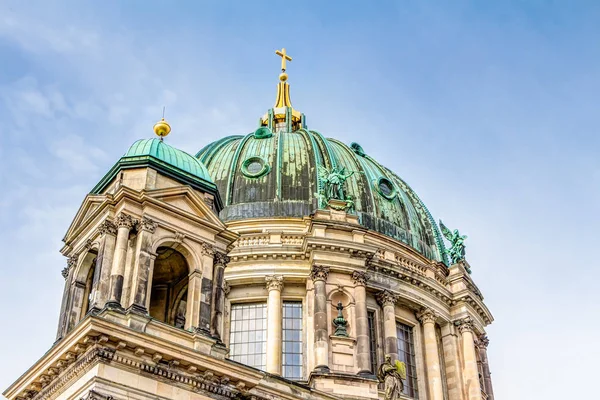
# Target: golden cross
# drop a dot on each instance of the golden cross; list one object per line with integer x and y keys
{"x": 284, "y": 57}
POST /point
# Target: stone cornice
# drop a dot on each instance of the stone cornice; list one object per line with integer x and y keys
{"x": 319, "y": 272}
{"x": 274, "y": 282}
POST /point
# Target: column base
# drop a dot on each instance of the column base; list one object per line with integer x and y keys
{"x": 322, "y": 369}
{"x": 114, "y": 305}
{"x": 137, "y": 309}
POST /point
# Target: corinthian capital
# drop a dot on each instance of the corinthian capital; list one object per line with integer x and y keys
{"x": 124, "y": 221}
{"x": 386, "y": 298}
{"x": 221, "y": 259}
{"x": 107, "y": 227}
{"x": 426, "y": 315}
{"x": 360, "y": 278}
{"x": 274, "y": 282}
{"x": 148, "y": 225}
{"x": 319, "y": 273}
{"x": 465, "y": 324}
{"x": 483, "y": 341}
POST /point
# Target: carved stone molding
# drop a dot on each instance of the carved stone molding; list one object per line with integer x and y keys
{"x": 426, "y": 315}
{"x": 360, "y": 278}
{"x": 148, "y": 225}
{"x": 94, "y": 395}
{"x": 124, "y": 221}
{"x": 107, "y": 227}
{"x": 385, "y": 297}
{"x": 319, "y": 272}
{"x": 274, "y": 282}
{"x": 465, "y": 325}
{"x": 226, "y": 288}
{"x": 208, "y": 249}
{"x": 483, "y": 341}
{"x": 221, "y": 259}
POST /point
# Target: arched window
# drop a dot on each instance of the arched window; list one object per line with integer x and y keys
{"x": 168, "y": 296}
{"x": 89, "y": 289}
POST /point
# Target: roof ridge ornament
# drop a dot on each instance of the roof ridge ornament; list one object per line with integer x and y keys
{"x": 162, "y": 127}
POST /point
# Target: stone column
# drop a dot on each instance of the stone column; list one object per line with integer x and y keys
{"x": 485, "y": 366}
{"x": 452, "y": 362}
{"x": 363, "y": 345}
{"x": 106, "y": 252}
{"x": 206, "y": 289}
{"x": 388, "y": 300}
{"x": 470, "y": 372}
{"x": 274, "y": 324}
{"x": 319, "y": 275}
{"x": 427, "y": 318}
{"x": 66, "y": 273}
{"x": 124, "y": 224}
{"x": 218, "y": 299}
{"x": 144, "y": 265}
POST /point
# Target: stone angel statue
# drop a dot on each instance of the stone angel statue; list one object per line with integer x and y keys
{"x": 457, "y": 249}
{"x": 333, "y": 183}
{"x": 392, "y": 376}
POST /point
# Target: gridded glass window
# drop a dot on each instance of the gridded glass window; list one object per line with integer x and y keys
{"x": 292, "y": 340}
{"x": 372, "y": 340}
{"x": 248, "y": 338}
{"x": 406, "y": 354}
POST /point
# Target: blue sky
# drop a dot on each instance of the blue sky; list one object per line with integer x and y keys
{"x": 489, "y": 111}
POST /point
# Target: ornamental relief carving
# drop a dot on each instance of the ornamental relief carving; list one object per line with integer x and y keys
{"x": 274, "y": 282}
{"x": 360, "y": 278}
{"x": 386, "y": 298}
{"x": 148, "y": 225}
{"x": 319, "y": 272}
{"x": 426, "y": 315}
{"x": 465, "y": 325}
{"x": 124, "y": 221}
{"x": 221, "y": 259}
{"x": 107, "y": 227}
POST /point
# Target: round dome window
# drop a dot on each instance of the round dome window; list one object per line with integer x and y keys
{"x": 255, "y": 167}
{"x": 385, "y": 188}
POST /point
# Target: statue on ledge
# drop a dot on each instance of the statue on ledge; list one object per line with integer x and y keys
{"x": 392, "y": 375}
{"x": 457, "y": 250}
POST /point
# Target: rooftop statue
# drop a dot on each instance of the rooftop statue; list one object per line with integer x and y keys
{"x": 392, "y": 375}
{"x": 333, "y": 188}
{"x": 457, "y": 249}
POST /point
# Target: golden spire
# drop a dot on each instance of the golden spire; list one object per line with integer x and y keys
{"x": 162, "y": 127}
{"x": 284, "y": 57}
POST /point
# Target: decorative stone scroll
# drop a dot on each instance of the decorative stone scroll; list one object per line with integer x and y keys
{"x": 319, "y": 273}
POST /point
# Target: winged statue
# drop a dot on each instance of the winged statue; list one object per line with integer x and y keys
{"x": 457, "y": 241}
{"x": 332, "y": 181}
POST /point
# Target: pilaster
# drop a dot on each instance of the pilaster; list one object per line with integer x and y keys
{"x": 470, "y": 371}
{"x": 427, "y": 318}
{"x": 319, "y": 274}
{"x": 388, "y": 300}
{"x": 363, "y": 350}
{"x": 274, "y": 323}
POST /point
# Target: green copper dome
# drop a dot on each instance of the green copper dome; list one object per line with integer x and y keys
{"x": 276, "y": 175}
{"x": 169, "y": 161}
{"x": 176, "y": 158}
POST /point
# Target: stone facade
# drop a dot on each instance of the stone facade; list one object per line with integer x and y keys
{"x": 162, "y": 299}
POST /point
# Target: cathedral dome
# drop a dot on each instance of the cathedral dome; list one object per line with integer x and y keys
{"x": 276, "y": 174}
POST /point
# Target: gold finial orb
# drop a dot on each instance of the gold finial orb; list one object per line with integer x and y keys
{"x": 283, "y": 77}
{"x": 162, "y": 128}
